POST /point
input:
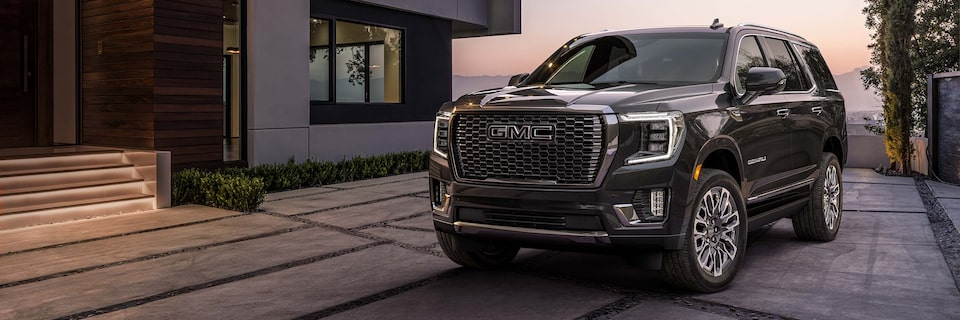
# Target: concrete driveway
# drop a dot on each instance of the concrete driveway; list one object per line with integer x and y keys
{"x": 367, "y": 250}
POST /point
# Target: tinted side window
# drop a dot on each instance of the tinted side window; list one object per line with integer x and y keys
{"x": 749, "y": 56}
{"x": 781, "y": 57}
{"x": 818, "y": 67}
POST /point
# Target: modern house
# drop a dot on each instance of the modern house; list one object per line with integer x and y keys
{"x": 102, "y": 97}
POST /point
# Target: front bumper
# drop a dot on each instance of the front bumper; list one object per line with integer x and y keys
{"x": 592, "y": 221}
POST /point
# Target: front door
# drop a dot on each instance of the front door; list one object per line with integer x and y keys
{"x": 18, "y": 111}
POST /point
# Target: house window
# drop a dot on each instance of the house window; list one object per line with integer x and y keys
{"x": 365, "y": 66}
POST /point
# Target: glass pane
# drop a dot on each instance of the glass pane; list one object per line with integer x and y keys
{"x": 376, "y": 73}
{"x": 750, "y": 56}
{"x": 573, "y": 70}
{"x": 369, "y": 63}
{"x": 319, "y": 60}
{"x": 781, "y": 58}
{"x": 320, "y": 74}
{"x": 351, "y": 78}
{"x": 818, "y": 66}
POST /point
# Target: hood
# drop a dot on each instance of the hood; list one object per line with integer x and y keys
{"x": 623, "y": 98}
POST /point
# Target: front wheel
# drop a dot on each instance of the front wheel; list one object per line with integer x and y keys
{"x": 716, "y": 238}
{"x": 820, "y": 219}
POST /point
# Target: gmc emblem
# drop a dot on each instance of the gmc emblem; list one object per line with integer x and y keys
{"x": 520, "y": 132}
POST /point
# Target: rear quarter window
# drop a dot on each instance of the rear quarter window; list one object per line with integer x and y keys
{"x": 818, "y": 66}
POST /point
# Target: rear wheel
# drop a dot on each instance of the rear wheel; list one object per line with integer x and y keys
{"x": 820, "y": 219}
{"x": 716, "y": 238}
{"x": 480, "y": 256}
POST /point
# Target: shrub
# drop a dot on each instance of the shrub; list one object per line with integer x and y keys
{"x": 186, "y": 185}
{"x": 243, "y": 189}
{"x": 218, "y": 189}
{"x": 233, "y": 192}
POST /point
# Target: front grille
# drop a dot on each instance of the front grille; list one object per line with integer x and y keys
{"x": 571, "y": 156}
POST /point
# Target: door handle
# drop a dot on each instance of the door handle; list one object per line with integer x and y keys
{"x": 26, "y": 63}
{"x": 817, "y": 110}
{"x": 783, "y": 112}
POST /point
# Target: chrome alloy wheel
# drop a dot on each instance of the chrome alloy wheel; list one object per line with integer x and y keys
{"x": 715, "y": 231}
{"x": 831, "y": 197}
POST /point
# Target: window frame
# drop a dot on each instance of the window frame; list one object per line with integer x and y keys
{"x": 332, "y": 63}
{"x": 764, "y": 50}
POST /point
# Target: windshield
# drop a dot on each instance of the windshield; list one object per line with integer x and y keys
{"x": 661, "y": 58}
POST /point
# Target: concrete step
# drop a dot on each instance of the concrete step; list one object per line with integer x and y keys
{"x": 64, "y": 175}
{"x": 11, "y": 202}
{"x": 65, "y": 186}
{"x": 26, "y": 163}
{"x": 75, "y": 210}
{"x": 52, "y": 184}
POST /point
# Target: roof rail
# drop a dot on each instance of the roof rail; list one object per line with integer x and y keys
{"x": 760, "y": 26}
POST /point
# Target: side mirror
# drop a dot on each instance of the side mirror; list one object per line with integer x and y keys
{"x": 517, "y": 79}
{"x": 763, "y": 81}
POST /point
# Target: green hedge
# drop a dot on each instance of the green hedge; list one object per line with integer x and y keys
{"x": 243, "y": 189}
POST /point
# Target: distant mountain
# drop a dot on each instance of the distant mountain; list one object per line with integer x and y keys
{"x": 463, "y": 85}
{"x": 854, "y": 95}
{"x": 857, "y": 99}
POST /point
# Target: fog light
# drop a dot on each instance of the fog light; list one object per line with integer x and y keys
{"x": 439, "y": 194}
{"x": 648, "y": 206}
{"x": 657, "y": 199}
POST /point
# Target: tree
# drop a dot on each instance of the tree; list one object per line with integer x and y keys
{"x": 931, "y": 47}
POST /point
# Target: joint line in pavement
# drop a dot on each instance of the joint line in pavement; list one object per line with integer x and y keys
{"x": 222, "y": 281}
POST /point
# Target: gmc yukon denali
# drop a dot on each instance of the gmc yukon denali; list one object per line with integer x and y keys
{"x": 666, "y": 146}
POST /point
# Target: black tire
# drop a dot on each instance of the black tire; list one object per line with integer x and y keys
{"x": 811, "y": 222}
{"x": 682, "y": 268}
{"x": 488, "y": 256}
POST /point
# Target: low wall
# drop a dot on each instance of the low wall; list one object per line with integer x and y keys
{"x": 868, "y": 151}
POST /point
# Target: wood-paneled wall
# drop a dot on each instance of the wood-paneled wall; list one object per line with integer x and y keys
{"x": 157, "y": 83}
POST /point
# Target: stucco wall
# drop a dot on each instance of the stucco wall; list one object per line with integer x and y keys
{"x": 278, "y": 83}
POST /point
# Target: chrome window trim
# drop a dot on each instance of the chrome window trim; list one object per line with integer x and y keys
{"x": 733, "y": 73}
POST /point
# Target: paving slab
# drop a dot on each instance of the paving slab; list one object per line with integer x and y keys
{"x": 870, "y": 227}
{"x": 869, "y": 176}
{"x": 663, "y": 310}
{"x": 88, "y": 254}
{"x": 53, "y": 234}
{"x": 943, "y": 190}
{"x": 487, "y": 295}
{"x": 300, "y": 290}
{"x": 411, "y": 237}
{"x": 424, "y": 222}
{"x": 371, "y": 213}
{"x": 104, "y": 287}
{"x": 598, "y": 268}
{"x": 400, "y": 188}
{"x": 377, "y": 181}
{"x": 785, "y": 276}
{"x": 274, "y": 196}
{"x": 952, "y": 206}
{"x": 323, "y": 201}
{"x": 882, "y": 197}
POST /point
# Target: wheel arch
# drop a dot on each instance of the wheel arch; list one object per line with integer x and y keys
{"x": 832, "y": 144}
{"x": 722, "y": 153}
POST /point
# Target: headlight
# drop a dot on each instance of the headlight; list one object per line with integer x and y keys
{"x": 441, "y": 134}
{"x": 660, "y": 135}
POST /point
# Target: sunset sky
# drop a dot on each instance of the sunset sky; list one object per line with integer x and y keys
{"x": 836, "y": 26}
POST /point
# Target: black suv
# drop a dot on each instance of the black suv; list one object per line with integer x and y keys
{"x": 663, "y": 145}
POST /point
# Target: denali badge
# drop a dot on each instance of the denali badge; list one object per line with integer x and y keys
{"x": 520, "y": 132}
